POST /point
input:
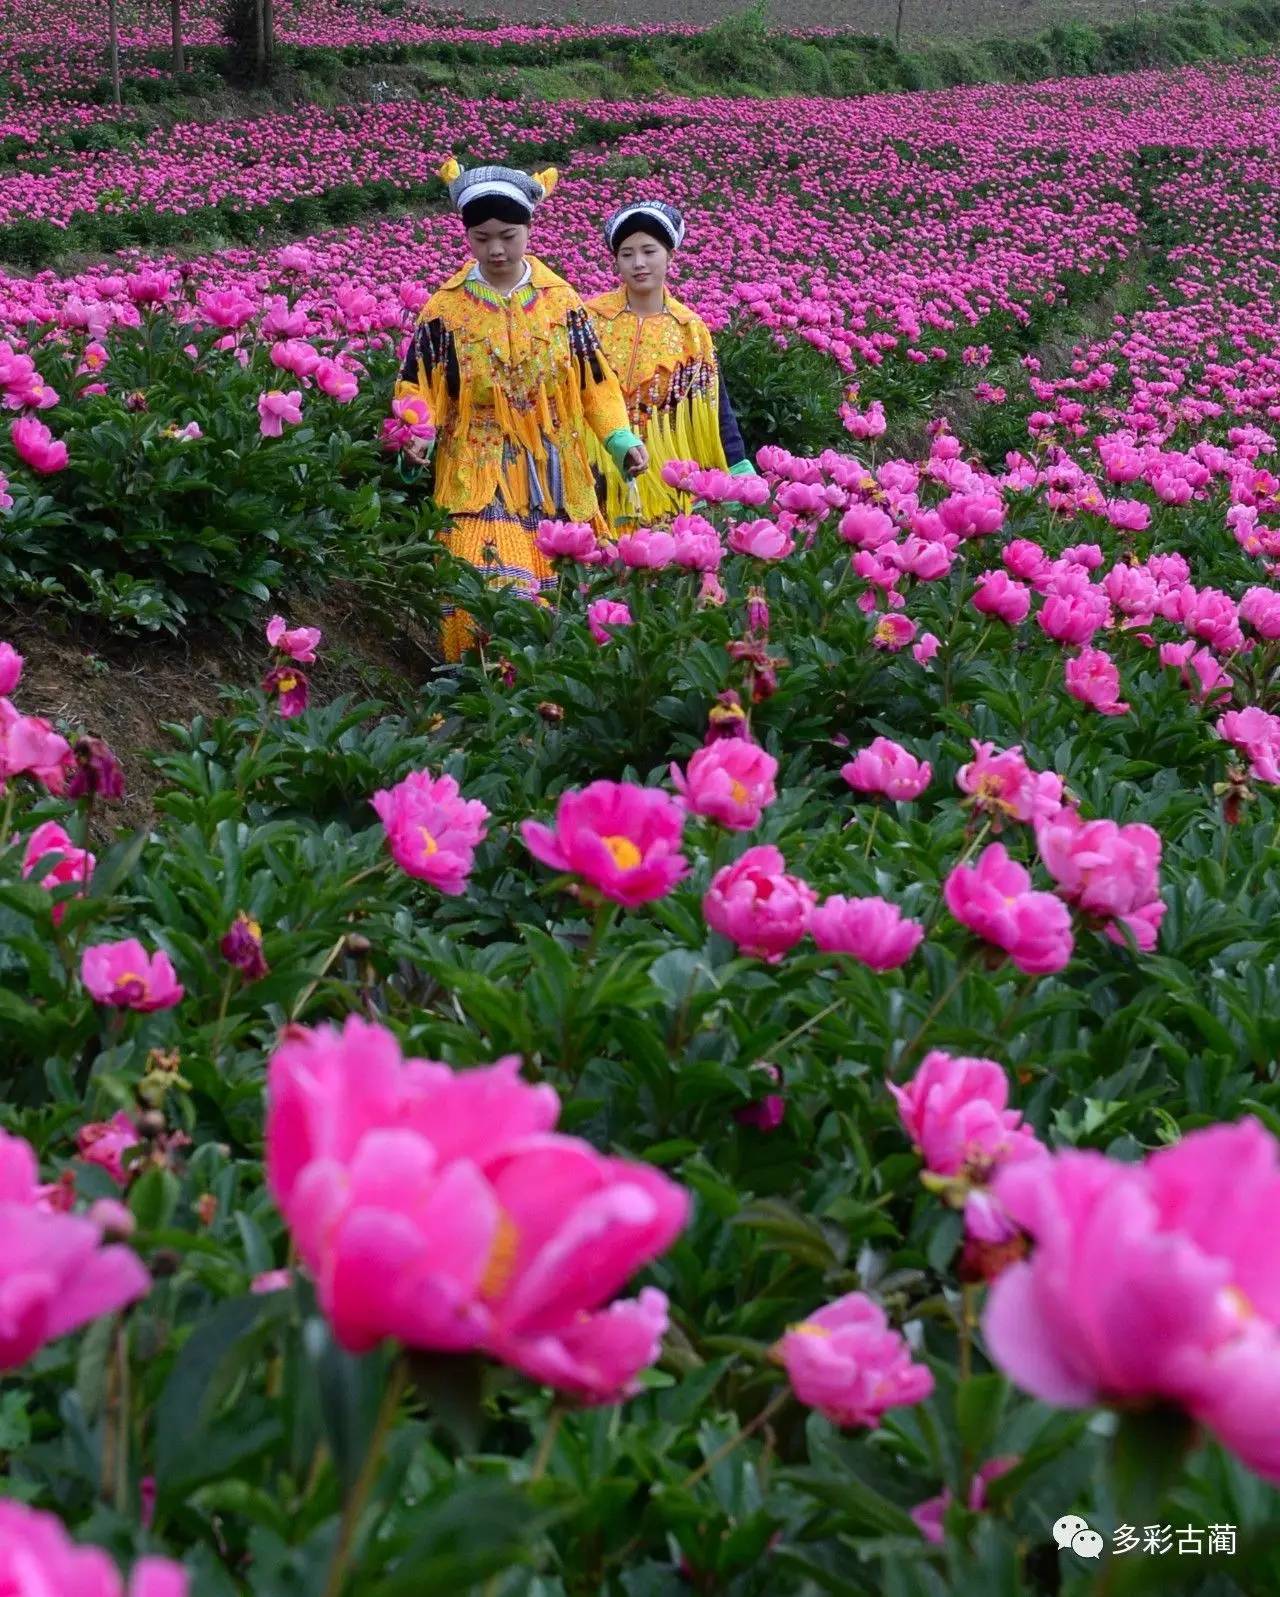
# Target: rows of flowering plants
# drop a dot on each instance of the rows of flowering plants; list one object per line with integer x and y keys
{"x": 972, "y": 242}
{"x": 764, "y": 1081}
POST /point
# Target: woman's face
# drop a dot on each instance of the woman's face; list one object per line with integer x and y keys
{"x": 642, "y": 261}
{"x": 499, "y": 246}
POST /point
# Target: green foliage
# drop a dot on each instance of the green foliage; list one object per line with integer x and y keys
{"x": 147, "y": 530}
{"x": 784, "y": 396}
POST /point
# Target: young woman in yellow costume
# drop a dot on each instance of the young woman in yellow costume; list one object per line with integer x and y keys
{"x": 505, "y": 363}
{"x": 666, "y": 361}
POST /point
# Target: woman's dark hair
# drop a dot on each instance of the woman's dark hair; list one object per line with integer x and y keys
{"x": 644, "y": 222}
{"x": 495, "y": 208}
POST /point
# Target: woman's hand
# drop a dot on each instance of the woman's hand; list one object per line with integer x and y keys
{"x": 417, "y": 450}
{"x": 635, "y": 461}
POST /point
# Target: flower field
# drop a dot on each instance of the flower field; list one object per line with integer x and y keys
{"x": 764, "y": 1080}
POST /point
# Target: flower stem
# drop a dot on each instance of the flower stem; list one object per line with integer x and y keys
{"x": 934, "y": 1011}
{"x": 722, "y": 1452}
{"x": 871, "y": 832}
{"x": 359, "y": 1494}
{"x": 304, "y": 996}
{"x": 548, "y": 1442}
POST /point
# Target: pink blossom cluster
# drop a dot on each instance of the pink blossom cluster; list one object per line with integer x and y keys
{"x": 441, "y": 1208}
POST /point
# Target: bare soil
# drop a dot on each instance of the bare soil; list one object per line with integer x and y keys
{"x": 124, "y": 690}
{"x": 921, "y": 19}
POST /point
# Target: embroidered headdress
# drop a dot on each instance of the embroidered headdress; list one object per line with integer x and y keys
{"x": 501, "y": 182}
{"x": 653, "y": 216}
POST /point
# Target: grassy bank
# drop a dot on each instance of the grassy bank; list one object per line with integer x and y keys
{"x": 741, "y": 55}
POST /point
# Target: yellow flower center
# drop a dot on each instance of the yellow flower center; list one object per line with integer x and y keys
{"x": 738, "y": 792}
{"x": 808, "y": 1328}
{"x": 1239, "y": 1302}
{"x": 429, "y": 844}
{"x": 254, "y": 929}
{"x": 127, "y": 978}
{"x": 502, "y": 1257}
{"x": 885, "y": 630}
{"x": 287, "y": 684}
{"x": 411, "y": 414}
{"x": 626, "y": 856}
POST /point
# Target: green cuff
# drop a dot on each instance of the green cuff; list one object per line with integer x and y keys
{"x": 744, "y": 468}
{"x": 619, "y": 445}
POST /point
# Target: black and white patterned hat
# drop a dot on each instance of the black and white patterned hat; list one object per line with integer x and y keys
{"x": 666, "y": 218}
{"x": 525, "y": 189}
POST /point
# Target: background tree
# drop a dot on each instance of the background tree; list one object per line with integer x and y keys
{"x": 113, "y": 49}
{"x": 175, "y": 27}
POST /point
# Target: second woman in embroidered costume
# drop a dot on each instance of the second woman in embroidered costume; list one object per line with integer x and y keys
{"x": 666, "y": 361}
{"x": 506, "y": 359}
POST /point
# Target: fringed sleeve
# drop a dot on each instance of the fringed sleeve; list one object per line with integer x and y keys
{"x": 603, "y": 406}
{"x": 430, "y": 368}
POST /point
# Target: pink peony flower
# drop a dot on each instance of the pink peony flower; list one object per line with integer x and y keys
{"x": 299, "y": 643}
{"x": 697, "y": 543}
{"x": 622, "y": 840}
{"x": 49, "y": 841}
{"x": 762, "y": 539}
{"x": 1199, "y": 669}
{"x": 1256, "y": 734}
{"x": 38, "y": 1558}
{"x": 291, "y": 688}
{"x": 1151, "y": 1283}
{"x": 11, "y": 663}
{"x": 955, "y": 1110}
{"x": 994, "y": 898}
{"x": 729, "y": 781}
{"x": 893, "y": 632}
{"x": 998, "y": 595}
{"x": 105, "y": 1143}
{"x": 646, "y": 550}
{"x": 276, "y": 407}
{"x": 1074, "y": 617}
{"x": 602, "y": 614}
{"x": 930, "y": 1514}
{"x": 972, "y": 515}
{"x": 123, "y": 975}
{"x": 867, "y": 526}
{"x": 755, "y": 904}
{"x": 433, "y": 832}
{"x": 568, "y": 540}
{"x": 1260, "y": 607}
{"x": 335, "y": 381}
{"x": 30, "y": 747}
{"x": 411, "y": 418}
{"x": 1211, "y": 615}
{"x": 1093, "y": 677}
{"x": 55, "y": 1275}
{"x": 1106, "y": 870}
{"x": 924, "y": 651}
{"x": 1001, "y": 784}
{"x": 886, "y": 767}
{"x": 846, "y": 1362}
{"x": 37, "y": 447}
{"x": 439, "y": 1207}
{"x": 871, "y": 930}
{"x": 1026, "y": 560}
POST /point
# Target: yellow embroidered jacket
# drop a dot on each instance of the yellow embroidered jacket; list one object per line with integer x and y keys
{"x": 514, "y": 386}
{"x": 675, "y": 399}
